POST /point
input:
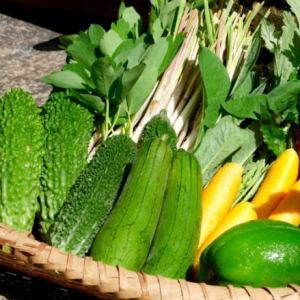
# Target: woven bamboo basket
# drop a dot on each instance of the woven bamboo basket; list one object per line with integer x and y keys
{"x": 38, "y": 259}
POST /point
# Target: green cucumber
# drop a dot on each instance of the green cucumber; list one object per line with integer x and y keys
{"x": 126, "y": 237}
{"x": 257, "y": 253}
{"x": 177, "y": 235}
{"x": 92, "y": 197}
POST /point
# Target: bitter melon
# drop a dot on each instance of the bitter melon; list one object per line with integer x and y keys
{"x": 126, "y": 237}
{"x": 92, "y": 197}
{"x": 21, "y": 150}
{"x": 68, "y": 129}
{"x": 177, "y": 235}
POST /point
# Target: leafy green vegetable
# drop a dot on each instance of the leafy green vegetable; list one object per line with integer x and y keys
{"x": 119, "y": 68}
{"x": 218, "y": 144}
{"x": 216, "y": 85}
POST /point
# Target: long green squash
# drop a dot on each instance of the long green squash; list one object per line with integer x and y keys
{"x": 93, "y": 196}
{"x": 21, "y": 151}
{"x": 68, "y": 130}
{"x": 177, "y": 235}
{"x": 126, "y": 237}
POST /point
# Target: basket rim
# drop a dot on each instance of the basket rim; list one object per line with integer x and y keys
{"x": 38, "y": 259}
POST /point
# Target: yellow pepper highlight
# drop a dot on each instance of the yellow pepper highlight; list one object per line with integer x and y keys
{"x": 280, "y": 178}
{"x": 288, "y": 209}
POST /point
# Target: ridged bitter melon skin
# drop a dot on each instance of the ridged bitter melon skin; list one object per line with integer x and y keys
{"x": 68, "y": 130}
{"x": 126, "y": 237}
{"x": 257, "y": 253}
{"x": 177, "y": 234}
{"x": 92, "y": 197}
{"x": 21, "y": 151}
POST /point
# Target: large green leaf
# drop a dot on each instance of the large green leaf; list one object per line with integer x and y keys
{"x": 66, "y": 79}
{"x": 246, "y": 107}
{"x": 283, "y": 96}
{"x": 216, "y": 84}
{"x": 82, "y": 52}
{"x": 95, "y": 33}
{"x": 218, "y": 144}
{"x": 142, "y": 89}
{"x": 110, "y": 41}
{"x": 92, "y": 102}
{"x": 103, "y": 75}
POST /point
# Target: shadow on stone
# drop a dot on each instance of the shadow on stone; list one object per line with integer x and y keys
{"x": 51, "y": 45}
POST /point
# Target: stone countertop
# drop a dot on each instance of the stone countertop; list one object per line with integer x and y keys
{"x": 27, "y": 52}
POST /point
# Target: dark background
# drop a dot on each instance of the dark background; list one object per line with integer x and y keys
{"x": 68, "y": 16}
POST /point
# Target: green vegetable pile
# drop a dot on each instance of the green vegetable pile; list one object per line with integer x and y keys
{"x": 139, "y": 120}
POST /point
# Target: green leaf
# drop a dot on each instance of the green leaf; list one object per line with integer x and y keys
{"x": 268, "y": 35}
{"x": 173, "y": 46}
{"x": 295, "y": 7}
{"x": 283, "y": 96}
{"x": 142, "y": 89}
{"x": 130, "y": 77}
{"x": 156, "y": 53}
{"x": 274, "y": 137}
{"x": 122, "y": 7}
{"x": 283, "y": 68}
{"x": 130, "y": 15}
{"x": 252, "y": 139}
{"x": 216, "y": 85}
{"x": 82, "y": 72}
{"x": 82, "y": 52}
{"x": 110, "y": 42}
{"x": 115, "y": 92}
{"x": 95, "y": 33}
{"x": 66, "y": 79}
{"x": 293, "y": 53}
{"x": 156, "y": 30}
{"x": 122, "y": 28}
{"x": 103, "y": 75}
{"x": 66, "y": 40}
{"x": 246, "y": 107}
{"x": 130, "y": 52}
{"x": 92, "y": 102}
{"x": 218, "y": 144}
{"x": 246, "y": 87}
{"x": 251, "y": 58}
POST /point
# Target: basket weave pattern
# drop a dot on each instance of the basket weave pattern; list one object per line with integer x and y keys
{"x": 107, "y": 282}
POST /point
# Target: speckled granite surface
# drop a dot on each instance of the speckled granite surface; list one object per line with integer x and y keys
{"x": 27, "y": 52}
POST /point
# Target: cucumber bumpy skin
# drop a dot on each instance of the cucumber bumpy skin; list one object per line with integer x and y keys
{"x": 21, "y": 151}
{"x": 126, "y": 237}
{"x": 257, "y": 253}
{"x": 177, "y": 235}
{"x": 68, "y": 130}
{"x": 92, "y": 197}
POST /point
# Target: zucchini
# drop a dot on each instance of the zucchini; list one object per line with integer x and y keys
{"x": 21, "y": 152}
{"x": 68, "y": 130}
{"x": 92, "y": 197}
{"x": 177, "y": 235}
{"x": 126, "y": 237}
